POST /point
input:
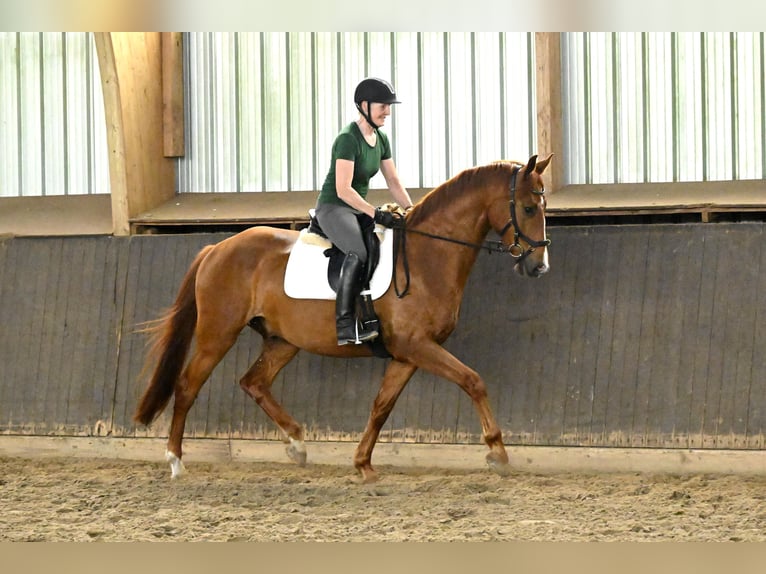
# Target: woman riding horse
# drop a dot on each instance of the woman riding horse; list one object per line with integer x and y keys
{"x": 359, "y": 151}
{"x": 239, "y": 282}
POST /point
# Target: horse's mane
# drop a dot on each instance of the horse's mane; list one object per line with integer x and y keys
{"x": 449, "y": 191}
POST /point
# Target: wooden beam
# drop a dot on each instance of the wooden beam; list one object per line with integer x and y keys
{"x": 110, "y": 85}
{"x": 140, "y": 176}
{"x": 172, "y": 94}
{"x": 549, "y": 109}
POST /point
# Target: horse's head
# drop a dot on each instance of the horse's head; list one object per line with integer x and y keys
{"x": 523, "y": 229}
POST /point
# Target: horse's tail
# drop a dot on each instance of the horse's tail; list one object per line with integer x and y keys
{"x": 170, "y": 338}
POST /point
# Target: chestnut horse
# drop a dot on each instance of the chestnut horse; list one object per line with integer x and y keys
{"x": 239, "y": 281}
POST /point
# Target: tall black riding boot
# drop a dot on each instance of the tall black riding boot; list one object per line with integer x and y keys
{"x": 349, "y": 287}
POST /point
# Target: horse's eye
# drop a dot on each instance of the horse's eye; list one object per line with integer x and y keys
{"x": 530, "y": 210}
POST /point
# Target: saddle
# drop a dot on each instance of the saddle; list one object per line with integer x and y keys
{"x": 365, "y": 311}
{"x": 314, "y": 256}
{"x": 336, "y": 256}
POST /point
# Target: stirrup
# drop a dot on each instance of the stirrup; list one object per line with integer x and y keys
{"x": 359, "y": 336}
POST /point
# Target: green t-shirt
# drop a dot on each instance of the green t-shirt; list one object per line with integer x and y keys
{"x": 351, "y": 145}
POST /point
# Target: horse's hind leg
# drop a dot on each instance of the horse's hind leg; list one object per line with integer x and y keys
{"x": 275, "y": 354}
{"x": 207, "y": 355}
{"x": 395, "y": 379}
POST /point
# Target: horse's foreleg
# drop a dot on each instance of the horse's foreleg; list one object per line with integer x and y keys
{"x": 275, "y": 354}
{"x": 396, "y": 377}
{"x": 432, "y": 357}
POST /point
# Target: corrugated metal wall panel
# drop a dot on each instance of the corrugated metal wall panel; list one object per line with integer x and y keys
{"x": 53, "y": 136}
{"x": 748, "y": 64}
{"x": 275, "y": 111}
{"x": 690, "y": 133}
{"x": 52, "y": 120}
{"x": 462, "y": 108}
{"x": 658, "y": 98}
{"x": 516, "y": 70}
{"x": 433, "y": 125}
{"x": 212, "y": 123}
{"x": 262, "y": 109}
{"x": 302, "y": 112}
{"x": 466, "y": 100}
{"x": 602, "y": 95}
{"x": 328, "y": 102}
{"x": 572, "y": 88}
{"x": 30, "y": 125}
{"x": 718, "y": 91}
{"x": 251, "y": 123}
{"x": 409, "y": 150}
{"x": 9, "y": 116}
{"x": 656, "y": 107}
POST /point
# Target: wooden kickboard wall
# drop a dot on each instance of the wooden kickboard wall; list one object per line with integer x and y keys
{"x": 639, "y": 336}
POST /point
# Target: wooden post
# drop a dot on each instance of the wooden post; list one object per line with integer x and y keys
{"x": 173, "y": 94}
{"x": 549, "y": 110}
{"x": 110, "y": 85}
{"x": 140, "y": 176}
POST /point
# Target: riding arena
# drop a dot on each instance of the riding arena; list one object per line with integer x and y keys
{"x": 565, "y": 353}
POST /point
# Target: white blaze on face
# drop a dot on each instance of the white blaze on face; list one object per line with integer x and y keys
{"x": 545, "y": 255}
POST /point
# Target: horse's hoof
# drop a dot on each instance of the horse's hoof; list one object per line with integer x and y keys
{"x": 177, "y": 468}
{"x": 498, "y": 466}
{"x": 367, "y": 476}
{"x": 502, "y": 469}
{"x": 296, "y": 451}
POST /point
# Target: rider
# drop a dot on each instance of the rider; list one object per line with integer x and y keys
{"x": 359, "y": 151}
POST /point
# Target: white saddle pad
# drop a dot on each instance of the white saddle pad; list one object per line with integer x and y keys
{"x": 306, "y": 272}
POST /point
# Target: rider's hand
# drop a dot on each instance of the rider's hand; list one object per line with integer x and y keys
{"x": 384, "y": 218}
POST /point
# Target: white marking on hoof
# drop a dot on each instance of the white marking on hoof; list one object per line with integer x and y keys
{"x": 177, "y": 467}
{"x": 296, "y": 451}
{"x": 502, "y": 468}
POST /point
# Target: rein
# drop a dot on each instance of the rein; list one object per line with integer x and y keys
{"x": 490, "y": 246}
{"x": 400, "y": 243}
{"x": 515, "y": 250}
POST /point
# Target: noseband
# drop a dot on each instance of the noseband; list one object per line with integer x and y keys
{"x": 515, "y": 249}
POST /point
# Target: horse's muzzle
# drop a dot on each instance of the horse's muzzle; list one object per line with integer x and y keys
{"x": 529, "y": 268}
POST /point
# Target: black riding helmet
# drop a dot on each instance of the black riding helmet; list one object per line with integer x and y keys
{"x": 374, "y": 90}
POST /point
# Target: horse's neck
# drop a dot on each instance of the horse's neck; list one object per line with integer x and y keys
{"x": 461, "y": 215}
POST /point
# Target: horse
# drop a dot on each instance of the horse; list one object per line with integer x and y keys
{"x": 239, "y": 282}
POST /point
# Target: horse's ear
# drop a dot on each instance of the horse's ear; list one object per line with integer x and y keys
{"x": 530, "y": 166}
{"x": 542, "y": 164}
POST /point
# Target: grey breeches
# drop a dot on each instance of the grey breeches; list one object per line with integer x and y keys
{"x": 340, "y": 224}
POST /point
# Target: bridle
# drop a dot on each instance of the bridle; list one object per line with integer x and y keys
{"x": 515, "y": 250}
